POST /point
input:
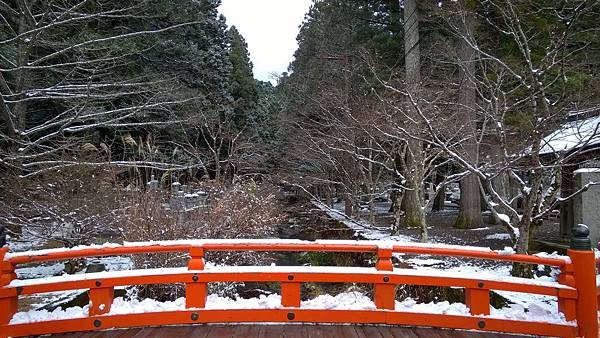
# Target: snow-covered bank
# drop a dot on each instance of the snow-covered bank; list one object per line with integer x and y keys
{"x": 342, "y": 301}
{"x": 361, "y": 229}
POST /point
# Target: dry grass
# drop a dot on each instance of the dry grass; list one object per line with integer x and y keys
{"x": 242, "y": 211}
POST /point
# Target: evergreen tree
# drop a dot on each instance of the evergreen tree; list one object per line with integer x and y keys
{"x": 243, "y": 85}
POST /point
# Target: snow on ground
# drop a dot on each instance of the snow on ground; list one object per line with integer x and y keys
{"x": 42, "y": 270}
{"x": 28, "y": 240}
{"x": 501, "y": 271}
{"x": 114, "y": 263}
{"x": 420, "y": 262}
{"x": 34, "y": 272}
{"x": 346, "y": 301}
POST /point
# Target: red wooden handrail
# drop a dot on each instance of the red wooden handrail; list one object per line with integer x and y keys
{"x": 572, "y": 290}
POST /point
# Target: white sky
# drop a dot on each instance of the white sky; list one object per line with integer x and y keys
{"x": 270, "y": 28}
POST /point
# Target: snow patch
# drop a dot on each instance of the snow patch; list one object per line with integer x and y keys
{"x": 34, "y": 316}
{"x": 362, "y": 229}
{"x": 498, "y": 236}
{"x": 347, "y": 301}
{"x": 587, "y": 170}
{"x": 506, "y": 251}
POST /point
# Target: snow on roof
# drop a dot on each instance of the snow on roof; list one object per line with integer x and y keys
{"x": 573, "y": 135}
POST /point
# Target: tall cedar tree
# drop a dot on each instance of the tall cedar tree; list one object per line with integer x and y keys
{"x": 243, "y": 85}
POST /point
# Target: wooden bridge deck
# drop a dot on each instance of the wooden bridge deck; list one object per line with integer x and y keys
{"x": 287, "y": 331}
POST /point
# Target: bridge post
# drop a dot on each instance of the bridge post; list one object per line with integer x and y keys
{"x": 9, "y": 300}
{"x": 478, "y": 300}
{"x": 385, "y": 293}
{"x": 195, "y": 291}
{"x": 290, "y": 293}
{"x": 584, "y": 273}
{"x": 101, "y": 299}
{"x": 567, "y": 306}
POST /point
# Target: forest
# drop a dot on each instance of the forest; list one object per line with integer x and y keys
{"x": 142, "y": 120}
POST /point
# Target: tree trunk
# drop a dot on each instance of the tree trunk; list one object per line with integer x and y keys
{"x": 522, "y": 247}
{"x": 397, "y": 201}
{"x": 469, "y": 215}
{"x": 348, "y": 204}
{"x": 413, "y": 168}
{"x": 440, "y": 194}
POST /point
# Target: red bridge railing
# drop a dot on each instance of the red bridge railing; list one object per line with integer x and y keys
{"x": 575, "y": 290}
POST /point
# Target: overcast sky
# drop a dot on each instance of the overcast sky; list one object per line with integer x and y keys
{"x": 270, "y": 28}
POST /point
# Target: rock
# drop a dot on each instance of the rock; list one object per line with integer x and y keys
{"x": 95, "y": 267}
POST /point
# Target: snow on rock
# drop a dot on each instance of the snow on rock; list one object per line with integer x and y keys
{"x": 498, "y": 236}
{"x": 506, "y": 251}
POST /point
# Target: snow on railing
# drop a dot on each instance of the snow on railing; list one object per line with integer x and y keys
{"x": 104, "y": 312}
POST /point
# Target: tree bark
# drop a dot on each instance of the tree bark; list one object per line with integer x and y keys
{"x": 413, "y": 168}
{"x": 469, "y": 215}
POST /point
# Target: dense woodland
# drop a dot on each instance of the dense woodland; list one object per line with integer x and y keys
{"x": 385, "y": 99}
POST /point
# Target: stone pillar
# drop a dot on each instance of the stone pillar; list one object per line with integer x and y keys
{"x": 586, "y": 208}
{"x": 177, "y": 197}
{"x": 175, "y": 187}
{"x": 153, "y": 184}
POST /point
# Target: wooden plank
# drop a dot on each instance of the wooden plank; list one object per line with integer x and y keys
{"x": 144, "y": 332}
{"x": 120, "y": 333}
{"x": 315, "y": 331}
{"x": 330, "y": 330}
{"x": 287, "y": 331}
{"x": 246, "y": 331}
{"x": 347, "y": 331}
{"x": 371, "y": 331}
{"x": 155, "y": 332}
{"x": 295, "y": 331}
{"x": 267, "y": 331}
{"x": 397, "y": 332}
{"x": 220, "y": 331}
{"x": 428, "y": 333}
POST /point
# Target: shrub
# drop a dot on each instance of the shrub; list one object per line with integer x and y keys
{"x": 244, "y": 210}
